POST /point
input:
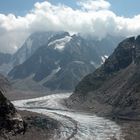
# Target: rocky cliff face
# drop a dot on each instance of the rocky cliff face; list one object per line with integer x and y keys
{"x": 31, "y": 44}
{"x": 4, "y": 83}
{"x": 114, "y": 88}
{"x": 4, "y": 62}
{"x": 5, "y": 58}
{"x": 11, "y": 122}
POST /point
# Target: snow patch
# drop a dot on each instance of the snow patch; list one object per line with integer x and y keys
{"x": 94, "y": 64}
{"x": 59, "y": 44}
{"x": 104, "y": 58}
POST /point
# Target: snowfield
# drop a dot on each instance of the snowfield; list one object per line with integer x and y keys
{"x": 74, "y": 125}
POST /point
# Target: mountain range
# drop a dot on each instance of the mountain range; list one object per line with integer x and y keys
{"x": 58, "y": 61}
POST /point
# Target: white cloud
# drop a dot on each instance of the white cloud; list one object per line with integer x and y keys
{"x": 94, "y": 4}
{"x": 94, "y": 17}
{"x": 13, "y": 31}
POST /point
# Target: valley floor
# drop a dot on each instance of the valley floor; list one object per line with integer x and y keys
{"x": 69, "y": 124}
{"x": 74, "y": 125}
{"x": 15, "y": 94}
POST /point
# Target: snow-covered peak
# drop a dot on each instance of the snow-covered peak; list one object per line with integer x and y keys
{"x": 59, "y": 44}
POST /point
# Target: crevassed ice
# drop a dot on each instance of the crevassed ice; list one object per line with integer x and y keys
{"x": 89, "y": 126}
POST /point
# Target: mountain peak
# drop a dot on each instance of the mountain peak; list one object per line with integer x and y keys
{"x": 61, "y": 62}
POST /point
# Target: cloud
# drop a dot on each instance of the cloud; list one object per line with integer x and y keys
{"x": 94, "y": 4}
{"x": 93, "y": 17}
{"x": 13, "y": 32}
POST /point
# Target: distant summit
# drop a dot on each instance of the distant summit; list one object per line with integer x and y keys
{"x": 57, "y": 60}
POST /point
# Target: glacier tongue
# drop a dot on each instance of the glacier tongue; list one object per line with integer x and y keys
{"x": 75, "y": 125}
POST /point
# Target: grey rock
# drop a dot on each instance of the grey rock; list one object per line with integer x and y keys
{"x": 115, "y": 85}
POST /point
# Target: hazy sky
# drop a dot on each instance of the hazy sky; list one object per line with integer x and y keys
{"x": 98, "y": 18}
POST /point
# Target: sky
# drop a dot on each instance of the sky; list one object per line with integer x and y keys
{"x": 126, "y": 8}
{"x": 98, "y": 18}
